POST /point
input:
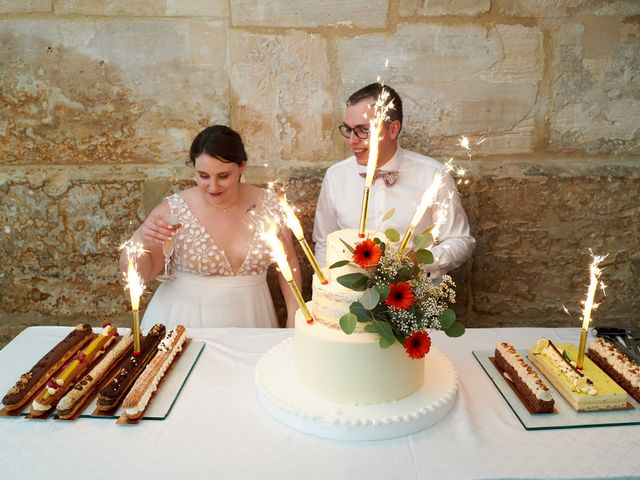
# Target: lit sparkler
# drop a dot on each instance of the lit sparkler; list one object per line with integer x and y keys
{"x": 294, "y": 224}
{"x": 135, "y": 285}
{"x": 428, "y": 198}
{"x": 589, "y": 304}
{"x": 280, "y": 256}
{"x": 380, "y": 109}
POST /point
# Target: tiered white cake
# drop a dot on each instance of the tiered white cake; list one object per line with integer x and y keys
{"x": 350, "y": 369}
{"x": 347, "y": 387}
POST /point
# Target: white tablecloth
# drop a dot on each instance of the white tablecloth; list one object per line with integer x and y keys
{"x": 218, "y": 429}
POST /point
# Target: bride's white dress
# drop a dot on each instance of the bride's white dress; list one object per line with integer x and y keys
{"x": 206, "y": 293}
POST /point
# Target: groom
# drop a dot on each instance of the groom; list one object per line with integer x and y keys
{"x": 400, "y": 184}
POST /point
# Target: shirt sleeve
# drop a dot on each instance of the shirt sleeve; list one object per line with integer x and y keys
{"x": 454, "y": 241}
{"x": 325, "y": 222}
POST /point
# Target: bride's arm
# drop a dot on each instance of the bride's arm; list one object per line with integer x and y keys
{"x": 294, "y": 264}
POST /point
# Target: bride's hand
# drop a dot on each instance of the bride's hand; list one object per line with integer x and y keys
{"x": 156, "y": 231}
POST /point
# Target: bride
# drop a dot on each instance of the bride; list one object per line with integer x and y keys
{"x": 219, "y": 260}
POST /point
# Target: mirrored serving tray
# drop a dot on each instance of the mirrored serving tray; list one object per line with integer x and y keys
{"x": 565, "y": 416}
{"x": 31, "y": 344}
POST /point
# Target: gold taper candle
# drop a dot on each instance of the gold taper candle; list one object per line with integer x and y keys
{"x": 363, "y": 213}
{"x": 136, "y": 331}
{"x": 407, "y": 237}
{"x": 301, "y": 302}
{"x": 581, "y": 349}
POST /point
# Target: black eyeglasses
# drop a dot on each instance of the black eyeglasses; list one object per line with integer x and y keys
{"x": 361, "y": 132}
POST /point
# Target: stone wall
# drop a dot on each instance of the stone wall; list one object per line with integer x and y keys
{"x": 99, "y": 102}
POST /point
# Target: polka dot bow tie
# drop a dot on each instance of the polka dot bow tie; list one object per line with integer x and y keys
{"x": 390, "y": 177}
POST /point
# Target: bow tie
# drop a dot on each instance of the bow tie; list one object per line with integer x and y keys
{"x": 390, "y": 177}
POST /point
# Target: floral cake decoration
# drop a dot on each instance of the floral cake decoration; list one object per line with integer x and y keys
{"x": 400, "y": 301}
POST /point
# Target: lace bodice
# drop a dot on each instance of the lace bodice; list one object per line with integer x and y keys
{"x": 196, "y": 251}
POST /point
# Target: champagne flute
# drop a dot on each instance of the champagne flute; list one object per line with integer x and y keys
{"x": 167, "y": 248}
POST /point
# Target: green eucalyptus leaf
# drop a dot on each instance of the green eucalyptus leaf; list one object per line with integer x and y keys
{"x": 349, "y": 247}
{"x": 361, "y": 313}
{"x": 371, "y": 328}
{"x": 447, "y": 318}
{"x": 427, "y": 230}
{"x": 455, "y": 330}
{"x": 392, "y": 234}
{"x": 423, "y": 241}
{"x": 354, "y": 281}
{"x": 405, "y": 274}
{"x": 385, "y": 342}
{"x": 424, "y": 256}
{"x": 370, "y": 298}
{"x": 348, "y": 323}
{"x": 389, "y": 214}
{"x": 385, "y": 331}
{"x": 341, "y": 263}
{"x": 383, "y": 290}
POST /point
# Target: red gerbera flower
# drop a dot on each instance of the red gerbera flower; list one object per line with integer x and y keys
{"x": 367, "y": 254}
{"x": 418, "y": 344}
{"x": 400, "y": 295}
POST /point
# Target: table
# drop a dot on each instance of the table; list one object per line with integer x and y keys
{"x": 218, "y": 429}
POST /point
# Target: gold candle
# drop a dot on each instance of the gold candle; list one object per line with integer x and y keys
{"x": 294, "y": 224}
{"x": 363, "y": 213}
{"x": 279, "y": 255}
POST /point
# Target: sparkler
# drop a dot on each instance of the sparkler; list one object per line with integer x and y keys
{"x": 380, "y": 109}
{"x": 294, "y": 224}
{"x": 589, "y": 304}
{"x": 428, "y": 197}
{"x": 280, "y": 256}
{"x": 135, "y": 285}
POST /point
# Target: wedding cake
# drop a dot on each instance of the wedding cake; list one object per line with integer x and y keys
{"x": 345, "y": 386}
{"x": 350, "y": 369}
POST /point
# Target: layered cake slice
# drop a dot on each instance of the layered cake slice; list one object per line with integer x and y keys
{"x": 533, "y": 392}
{"x": 587, "y": 390}
{"x": 625, "y": 371}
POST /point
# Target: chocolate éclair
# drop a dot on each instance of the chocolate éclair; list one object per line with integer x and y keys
{"x": 33, "y": 380}
{"x": 111, "y": 396}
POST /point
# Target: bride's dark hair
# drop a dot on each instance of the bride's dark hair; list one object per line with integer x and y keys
{"x": 221, "y": 142}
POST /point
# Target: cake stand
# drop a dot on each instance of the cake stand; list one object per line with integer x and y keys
{"x": 283, "y": 397}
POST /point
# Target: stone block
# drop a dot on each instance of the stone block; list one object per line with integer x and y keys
{"x": 595, "y": 102}
{"x": 25, "y": 6}
{"x": 111, "y": 8}
{"x": 281, "y": 98}
{"x": 564, "y": 8}
{"x": 309, "y": 13}
{"x": 108, "y": 91}
{"x": 454, "y": 80}
{"x": 411, "y": 8}
{"x": 197, "y": 8}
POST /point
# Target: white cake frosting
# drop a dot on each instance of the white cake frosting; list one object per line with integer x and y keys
{"x": 620, "y": 363}
{"x": 352, "y": 369}
{"x": 525, "y": 372}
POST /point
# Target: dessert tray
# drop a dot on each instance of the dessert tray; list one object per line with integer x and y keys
{"x": 564, "y": 415}
{"x": 18, "y": 356}
{"x": 282, "y": 396}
